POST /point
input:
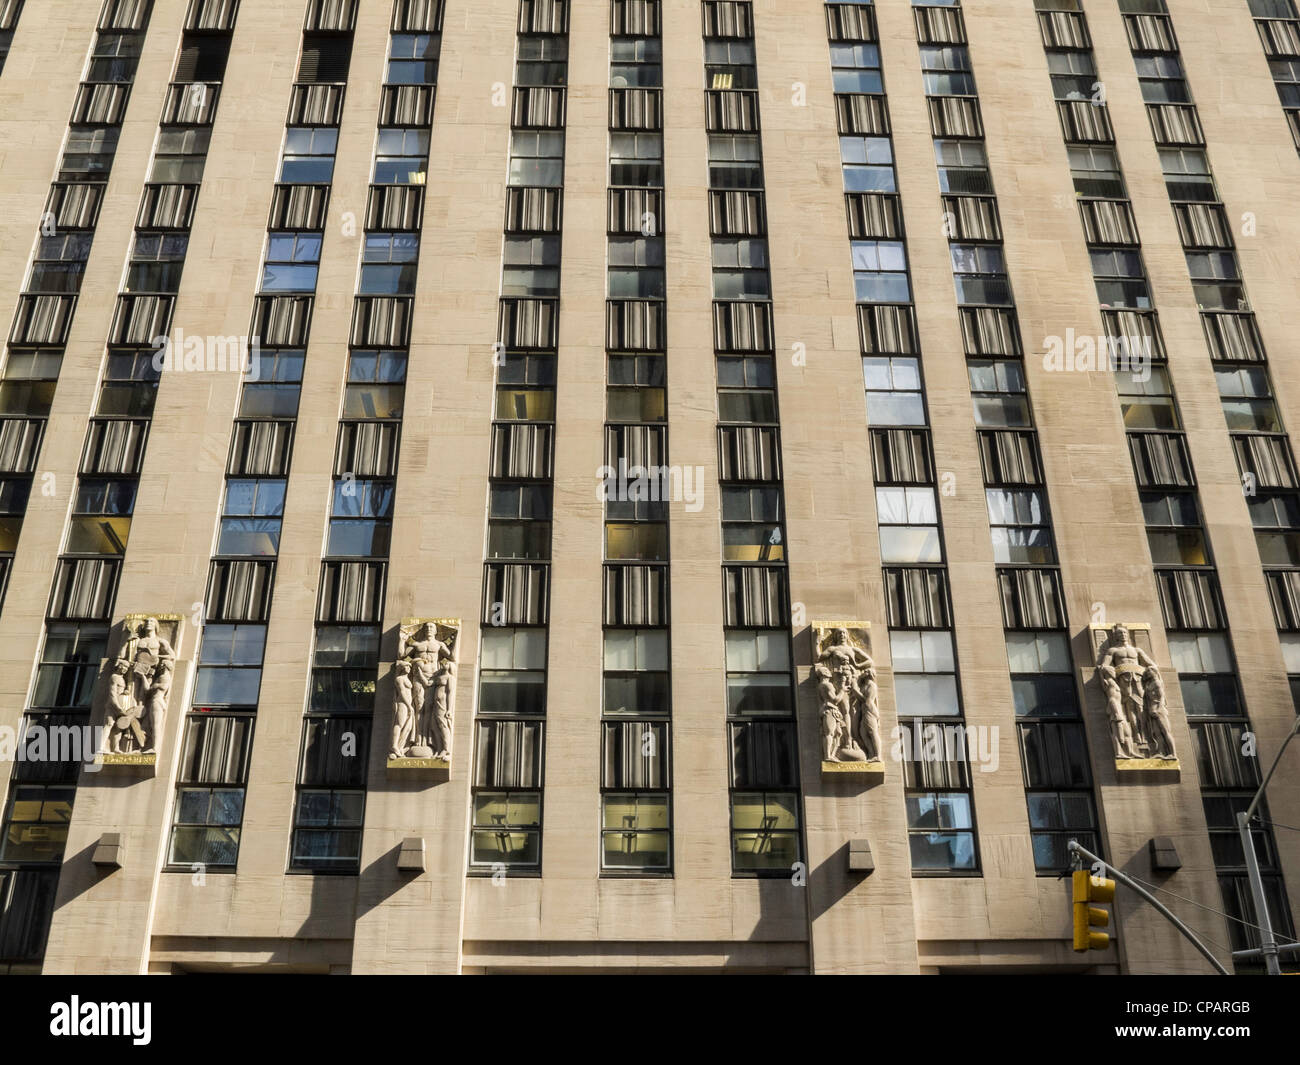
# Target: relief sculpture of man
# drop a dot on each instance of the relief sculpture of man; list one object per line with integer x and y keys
{"x": 138, "y": 690}
{"x": 1135, "y": 698}
{"x": 425, "y": 674}
{"x": 847, "y": 694}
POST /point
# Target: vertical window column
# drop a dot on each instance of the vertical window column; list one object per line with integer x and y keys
{"x": 82, "y": 601}
{"x": 213, "y": 775}
{"x": 1053, "y": 746}
{"x": 936, "y": 765}
{"x": 509, "y": 733}
{"x": 1278, "y": 23}
{"x": 9, "y": 12}
{"x": 636, "y": 739}
{"x": 48, "y": 301}
{"x": 1191, "y": 598}
{"x": 766, "y": 820}
{"x": 331, "y": 790}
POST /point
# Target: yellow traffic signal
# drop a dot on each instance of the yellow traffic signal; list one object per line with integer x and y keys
{"x": 1088, "y": 889}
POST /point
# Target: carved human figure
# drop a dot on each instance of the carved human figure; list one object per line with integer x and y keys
{"x": 432, "y": 671}
{"x": 138, "y": 689}
{"x": 1160, "y": 737}
{"x": 156, "y": 707}
{"x": 847, "y": 693}
{"x": 403, "y": 710}
{"x": 1121, "y": 733}
{"x": 869, "y": 721}
{"x": 1135, "y": 694}
{"x": 119, "y": 705}
{"x": 834, "y": 724}
{"x": 441, "y": 713}
{"x": 146, "y": 650}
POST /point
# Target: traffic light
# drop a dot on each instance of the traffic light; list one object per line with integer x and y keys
{"x": 1088, "y": 889}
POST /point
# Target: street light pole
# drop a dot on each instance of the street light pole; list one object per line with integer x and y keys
{"x": 1268, "y": 942}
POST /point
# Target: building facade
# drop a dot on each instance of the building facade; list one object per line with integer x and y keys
{"x": 644, "y": 485}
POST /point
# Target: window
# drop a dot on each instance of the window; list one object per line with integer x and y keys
{"x": 1206, "y": 673}
{"x": 207, "y": 827}
{"x": 1042, "y": 682}
{"x": 69, "y": 666}
{"x": 729, "y": 64}
{"x": 635, "y": 391}
{"x": 868, "y": 164}
{"x": 507, "y": 829}
{"x": 940, "y": 831}
{"x": 389, "y": 264}
{"x": 1174, "y": 529}
{"x": 855, "y": 68}
{"x": 1074, "y": 75}
{"x": 512, "y": 679}
{"x": 1187, "y": 175}
{"x": 1020, "y": 527}
{"x": 909, "y": 525}
{"x": 925, "y": 673}
{"x": 251, "y": 518}
{"x": 636, "y": 672}
{"x": 60, "y": 263}
{"x": 764, "y": 832}
{"x": 115, "y": 57}
{"x": 345, "y": 665}
{"x": 636, "y": 160}
{"x": 526, "y": 388}
{"x": 1276, "y": 518}
{"x": 179, "y": 156}
{"x": 745, "y": 390}
{"x": 36, "y": 823}
{"x": 740, "y": 270}
{"x": 230, "y": 666}
{"x": 202, "y": 58}
{"x": 272, "y": 387}
{"x": 635, "y": 63}
{"x": 532, "y": 267}
{"x": 635, "y": 832}
{"x": 156, "y": 262}
{"x": 401, "y": 157}
{"x": 880, "y": 272}
{"x": 308, "y": 155}
{"x": 998, "y": 392}
{"x": 636, "y": 268}
{"x": 735, "y": 162}
{"x": 963, "y": 166}
{"x": 130, "y": 384}
{"x": 330, "y": 804}
{"x": 376, "y": 385}
{"x": 751, "y": 524}
{"x": 980, "y": 274}
{"x": 413, "y": 59}
{"x": 636, "y": 541}
{"x": 88, "y": 154}
{"x": 1055, "y": 818}
{"x": 894, "y": 394}
{"x": 758, "y": 672}
{"x": 361, "y": 518}
{"x": 1246, "y": 396}
{"x": 536, "y": 158}
{"x": 542, "y": 61}
{"x": 1147, "y": 403}
{"x": 292, "y": 261}
{"x": 519, "y": 521}
{"x": 1096, "y": 173}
